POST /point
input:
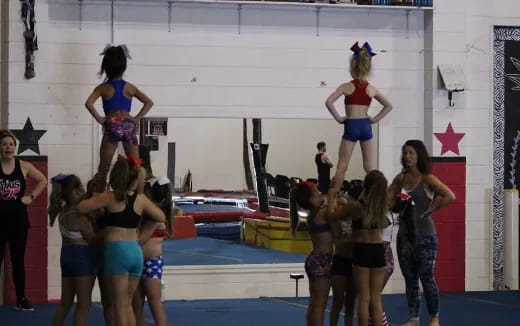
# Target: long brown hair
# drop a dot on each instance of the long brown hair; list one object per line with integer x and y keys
{"x": 123, "y": 175}
{"x": 62, "y": 189}
{"x": 374, "y": 196}
{"x": 361, "y": 66}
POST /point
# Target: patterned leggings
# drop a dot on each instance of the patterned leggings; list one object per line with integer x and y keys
{"x": 419, "y": 263}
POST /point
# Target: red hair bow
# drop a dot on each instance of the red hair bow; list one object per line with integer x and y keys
{"x": 356, "y": 48}
{"x": 306, "y": 184}
{"x": 403, "y": 196}
{"x": 133, "y": 161}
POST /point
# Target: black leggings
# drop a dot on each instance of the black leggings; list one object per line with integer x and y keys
{"x": 17, "y": 238}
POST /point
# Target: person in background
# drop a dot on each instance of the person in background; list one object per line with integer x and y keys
{"x": 323, "y": 165}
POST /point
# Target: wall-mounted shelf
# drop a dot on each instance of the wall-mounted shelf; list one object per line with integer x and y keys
{"x": 256, "y": 3}
{"x": 170, "y": 5}
{"x": 297, "y": 4}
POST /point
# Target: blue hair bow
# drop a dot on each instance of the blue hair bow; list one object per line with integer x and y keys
{"x": 60, "y": 177}
{"x": 355, "y": 48}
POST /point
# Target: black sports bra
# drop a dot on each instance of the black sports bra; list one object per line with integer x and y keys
{"x": 127, "y": 218}
{"x": 316, "y": 228}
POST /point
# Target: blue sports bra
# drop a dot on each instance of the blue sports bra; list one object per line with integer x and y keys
{"x": 127, "y": 218}
{"x": 118, "y": 101}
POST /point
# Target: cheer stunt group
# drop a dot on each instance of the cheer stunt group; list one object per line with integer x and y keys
{"x": 113, "y": 230}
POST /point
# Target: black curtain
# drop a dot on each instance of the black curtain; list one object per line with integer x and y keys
{"x": 512, "y": 115}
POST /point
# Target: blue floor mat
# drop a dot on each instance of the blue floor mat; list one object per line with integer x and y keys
{"x": 208, "y": 251}
{"x": 199, "y": 208}
{"x": 470, "y": 308}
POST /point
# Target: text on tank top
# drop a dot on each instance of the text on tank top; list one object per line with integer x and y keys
{"x": 12, "y": 189}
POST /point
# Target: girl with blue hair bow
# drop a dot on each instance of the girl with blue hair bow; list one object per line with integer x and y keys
{"x": 117, "y": 95}
{"x": 357, "y": 123}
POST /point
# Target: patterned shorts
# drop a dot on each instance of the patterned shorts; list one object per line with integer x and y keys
{"x": 118, "y": 129}
{"x": 153, "y": 268}
{"x": 318, "y": 265}
{"x": 389, "y": 259}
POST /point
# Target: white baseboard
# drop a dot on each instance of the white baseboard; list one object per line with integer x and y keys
{"x": 238, "y": 282}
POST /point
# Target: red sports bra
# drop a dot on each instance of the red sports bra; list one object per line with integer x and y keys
{"x": 359, "y": 96}
{"x": 159, "y": 234}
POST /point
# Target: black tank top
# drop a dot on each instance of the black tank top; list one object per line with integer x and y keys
{"x": 127, "y": 218}
{"x": 12, "y": 189}
{"x": 323, "y": 168}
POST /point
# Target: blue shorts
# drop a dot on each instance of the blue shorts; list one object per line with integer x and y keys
{"x": 77, "y": 260}
{"x": 357, "y": 129}
{"x": 123, "y": 258}
{"x": 153, "y": 268}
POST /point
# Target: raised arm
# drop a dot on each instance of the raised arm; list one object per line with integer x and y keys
{"x": 141, "y": 180}
{"x": 84, "y": 226}
{"x": 95, "y": 202}
{"x": 440, "y": 190}
{"x": 41, "y": 182}
{"x": 352, "y": 210}
{"x": 152, "y": 210}
{"x": 89, "y": 104}
{"x": 343, "y": 89}
{"x": 346, "y": 210}
{"x": 387, "y": 107}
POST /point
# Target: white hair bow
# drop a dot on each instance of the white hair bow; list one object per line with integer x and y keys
{"x": 122, "y": 46}
{"x": 160, "y": 180}
{"x": 163, "y": 181}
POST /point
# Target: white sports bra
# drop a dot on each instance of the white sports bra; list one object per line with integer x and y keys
{"x": 73, "y": 235}
{"x": 66, "y": 233}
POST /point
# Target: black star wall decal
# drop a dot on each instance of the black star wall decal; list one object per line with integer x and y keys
{"x": 28, "y": 137}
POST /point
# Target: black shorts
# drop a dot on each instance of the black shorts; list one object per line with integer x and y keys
{"x": 371, "y": 255}
{"x": 341, "y": 266}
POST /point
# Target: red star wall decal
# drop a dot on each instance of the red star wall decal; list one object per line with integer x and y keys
{"x": 449, "y": 140}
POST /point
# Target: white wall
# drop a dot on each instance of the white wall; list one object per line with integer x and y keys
{"x": 211, "y": 148}
{"x": 463, "y": 35}
{"x": 292, "y": 147}
{"x": 277, "y": 67}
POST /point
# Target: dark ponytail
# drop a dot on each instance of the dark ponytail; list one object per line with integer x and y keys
{"x": 62, "y": 188}
{"x": 293, "y": 212}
